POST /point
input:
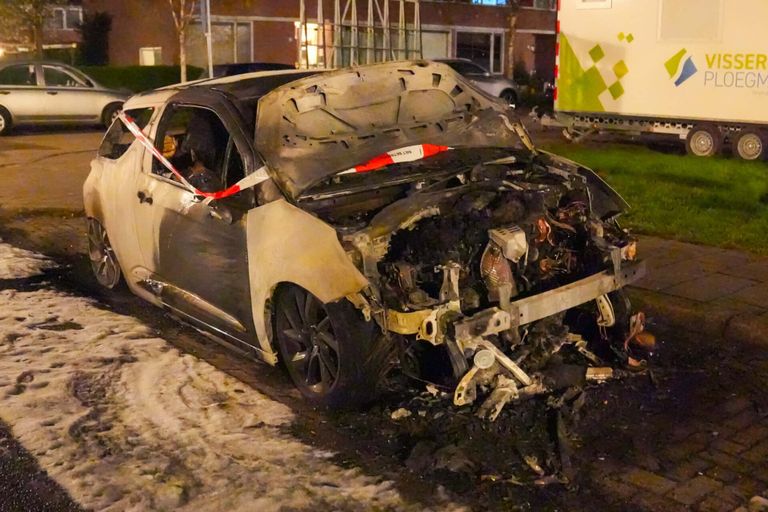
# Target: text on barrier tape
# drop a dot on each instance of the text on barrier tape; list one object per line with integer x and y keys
{"x": 397, "y": 156}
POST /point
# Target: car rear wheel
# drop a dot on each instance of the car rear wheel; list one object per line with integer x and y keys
{"x": 704, "y": 141}
{"x": 329, "y": 350}
{"x": 509, "y": 97}
{"x": 750, "y": 145}
{"x": 104, "y": 263}
{"x": 5, "y": 121}
{"x": 110, "y": 114}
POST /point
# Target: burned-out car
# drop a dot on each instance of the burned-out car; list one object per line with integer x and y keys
{"x": 352, "y": 221}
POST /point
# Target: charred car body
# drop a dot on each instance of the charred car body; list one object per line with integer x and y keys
{"x": 480, "y": 255}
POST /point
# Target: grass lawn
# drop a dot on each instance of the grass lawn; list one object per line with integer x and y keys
{"x": 709, "y": 201}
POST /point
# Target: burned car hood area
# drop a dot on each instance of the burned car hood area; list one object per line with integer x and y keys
{"x": 493, "y": 268}
{"x": 317, "y": 126}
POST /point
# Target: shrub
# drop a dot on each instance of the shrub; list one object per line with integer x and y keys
{"x": 138, "y": 78}
{"x": 94, "y": 34}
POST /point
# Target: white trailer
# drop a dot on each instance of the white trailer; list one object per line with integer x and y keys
{"x": 695, "y": 69}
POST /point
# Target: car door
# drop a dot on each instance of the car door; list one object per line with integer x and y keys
{"x": 196, "y": 253}
{"x": 68, "y": 96}
{"x": 114, "y": 174}
{"x": 20, "y": 93}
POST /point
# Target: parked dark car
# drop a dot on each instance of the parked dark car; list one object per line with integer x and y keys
{"x": 359, "y": 220}
{"x": 240, "y": 68}
{"x": 33, "y": 92}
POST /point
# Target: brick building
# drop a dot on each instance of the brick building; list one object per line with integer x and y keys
{"x": 494, "y": 36}
{"x": 60, "y": 33}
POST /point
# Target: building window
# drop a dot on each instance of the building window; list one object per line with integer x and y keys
{"x": 435, "y": 44}
{"x": 482, "y": 48}
{"x": 309, "y": 35}
{"x": 65, "y": 18}
{"x": 150, "y": 56}
{"x": 548, "y": 5}
{"x": 230, "y": 40}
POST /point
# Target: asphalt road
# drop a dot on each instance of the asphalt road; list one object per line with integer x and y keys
{"x": 692, "y": 435}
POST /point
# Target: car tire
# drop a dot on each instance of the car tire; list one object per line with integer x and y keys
{"x": 509, "y": 97}
{"x": 6, "y": 122}
{"x": 110, "y": 113}
{"x": 333, "y": 355}
{"x": 106, "y": 268}
{"x": 750, "y": 145}
{"x": 704, "y": 141}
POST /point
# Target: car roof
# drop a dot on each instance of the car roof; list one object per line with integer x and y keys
{"x": 457, "y": 59}
{"x": 27, "y": 62}
{"x": 244, "y": 87}
{"x": 243, "y": 90}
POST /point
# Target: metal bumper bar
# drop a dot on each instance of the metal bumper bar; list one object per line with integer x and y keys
{"x": 561, "y": 299}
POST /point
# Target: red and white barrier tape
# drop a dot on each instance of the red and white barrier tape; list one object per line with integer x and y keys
{"x": 402, "y": 155}
{"x": 396, "y": 156}
{"x": 251, "y": 180}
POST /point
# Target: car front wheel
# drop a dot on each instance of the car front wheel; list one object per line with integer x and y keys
{"x": 332, "y": 354}
{"x": 110, "y": 114}
{"x": 5, "y": 121}
{"x": 104, "y": 263}
{"x": 509, "y": 97}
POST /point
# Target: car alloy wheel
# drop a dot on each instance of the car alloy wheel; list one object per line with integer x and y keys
{"x": 510, "y": 98}
{"x": 307, "y": 342}
{"x": 104, "y": 263}
{"x": 5, "y": 121}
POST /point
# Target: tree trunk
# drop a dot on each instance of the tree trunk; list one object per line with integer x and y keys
{"x": 37, "y": 36}
{"x": 511, "y": 32}
{"x": 183, "y": 54}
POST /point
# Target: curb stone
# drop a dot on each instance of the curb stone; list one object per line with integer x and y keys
{"x": 735, "y": 326}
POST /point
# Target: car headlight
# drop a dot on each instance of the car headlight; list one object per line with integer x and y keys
{"x": 629, "y": 251}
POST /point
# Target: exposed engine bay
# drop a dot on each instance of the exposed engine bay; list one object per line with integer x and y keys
{"x": 505, "y": 271}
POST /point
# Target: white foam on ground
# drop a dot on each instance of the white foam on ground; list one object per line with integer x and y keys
{"x": 124, "y": 421}
{"x": 19, "y": 264}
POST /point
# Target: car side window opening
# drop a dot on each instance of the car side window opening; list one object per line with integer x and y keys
{"x": 467, "y": 68}
{"x": 198, "y": 145}
{"x": 118, "y": 138}
{"x": 58, "y": 77}
{"x": 23, "y": 74}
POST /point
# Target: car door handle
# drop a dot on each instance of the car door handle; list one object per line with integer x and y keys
{"x": 5, "y": 92}
{"x": 144, "y": 198}
{"x": 52, "y": 93}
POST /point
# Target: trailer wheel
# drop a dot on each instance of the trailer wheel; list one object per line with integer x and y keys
{"x": 704, "y": 141}
{"x": 750, "y": 145}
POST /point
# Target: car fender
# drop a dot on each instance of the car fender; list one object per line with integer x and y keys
{"x": 288, "y": 245}
{"x": 108, "y": 196}
{"x": 606, "y": 201}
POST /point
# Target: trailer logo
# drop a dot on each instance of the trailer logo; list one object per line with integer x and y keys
{"x": 680, "y": 68}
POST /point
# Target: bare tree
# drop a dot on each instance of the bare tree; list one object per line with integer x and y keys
{"x": 182, "y": 11}
{"x": 24, "y": 20}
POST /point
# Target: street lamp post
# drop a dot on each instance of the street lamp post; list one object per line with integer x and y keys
{"x": 205, "y": 11}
